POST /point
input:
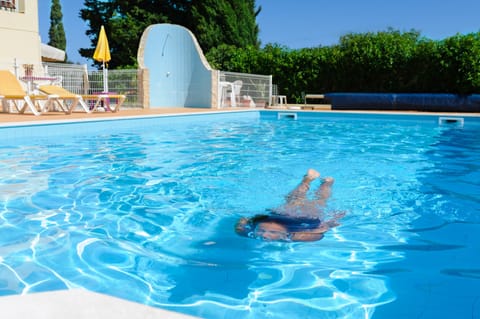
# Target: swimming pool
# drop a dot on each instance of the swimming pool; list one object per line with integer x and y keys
{"x": 144, "y": 210}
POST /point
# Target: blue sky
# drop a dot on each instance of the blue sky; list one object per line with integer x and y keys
{"x": 309, "y": 23}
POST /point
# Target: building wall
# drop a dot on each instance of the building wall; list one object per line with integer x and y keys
{"x": 19, "y": 36}
{"x": 179, "y": 74}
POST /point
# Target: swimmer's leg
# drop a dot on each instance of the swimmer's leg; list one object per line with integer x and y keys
{"x": 299, "y": 194}
{"x": 324, "y": 192}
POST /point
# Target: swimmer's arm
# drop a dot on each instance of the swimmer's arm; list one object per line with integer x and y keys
{"x": 317, "y": 233}
{"x": 306, "y": 236}
{"x": 311, "y": 234}
{"x": 240, "y": 226}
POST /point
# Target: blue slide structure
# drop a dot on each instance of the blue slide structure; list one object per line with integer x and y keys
{"x": 179, "y": 74}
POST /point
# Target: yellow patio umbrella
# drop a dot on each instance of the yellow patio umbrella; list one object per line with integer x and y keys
{"x": 102, "y": 54}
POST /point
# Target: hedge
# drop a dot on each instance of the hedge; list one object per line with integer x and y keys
{"x": 386, "y": 61}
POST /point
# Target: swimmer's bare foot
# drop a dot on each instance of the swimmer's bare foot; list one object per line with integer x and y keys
{"x": 298, "y": 195}
{"x": 312, "y": 174}
{"x": 328, "y": 181}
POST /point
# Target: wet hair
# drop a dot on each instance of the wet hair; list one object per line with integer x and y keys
{"x": 291, "y": 223}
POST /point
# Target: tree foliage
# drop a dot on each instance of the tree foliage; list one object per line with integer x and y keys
{"x": 377, "y": 60}
{"x": 386, "y": 61}
{"x": 459, "y": 63}
{"x": 214, "y": 22}
{"x": 56, "y": 32}
{"x": 224, "y": 22}
{"x": 124, "y": 22}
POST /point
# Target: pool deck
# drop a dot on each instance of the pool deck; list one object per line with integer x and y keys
{"x": 60, "y": 116}
{"x": 78, "y": 304}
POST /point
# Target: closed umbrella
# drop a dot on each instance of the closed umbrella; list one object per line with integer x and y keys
{"x": 102, "y": 54}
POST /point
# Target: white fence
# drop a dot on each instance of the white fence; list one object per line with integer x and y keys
{"x": 76, "y": 78}
{"x": 242, "y": 89}
{"x": 234, "y": 89}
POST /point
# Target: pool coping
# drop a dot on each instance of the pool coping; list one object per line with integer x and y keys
{"x": 44, "y": 120}
{"x": 78, "y": 304}
{"x": 141, "y": 114}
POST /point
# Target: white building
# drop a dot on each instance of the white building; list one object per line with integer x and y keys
{"x": 20, "y": 37}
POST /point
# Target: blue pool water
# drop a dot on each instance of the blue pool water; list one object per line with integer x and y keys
{"x": 144, "y": 210}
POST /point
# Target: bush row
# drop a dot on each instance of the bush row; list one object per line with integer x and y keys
{"x": 387, "y": 61}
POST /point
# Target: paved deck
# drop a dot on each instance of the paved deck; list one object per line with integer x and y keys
{"x": 78, "y": 304}
{"x": 51, "y": 116}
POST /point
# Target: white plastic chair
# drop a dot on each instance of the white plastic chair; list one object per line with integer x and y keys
{"x": 237, "y": 87}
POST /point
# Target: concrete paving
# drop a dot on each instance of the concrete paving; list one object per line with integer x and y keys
{"x": 78, "y": 304}
{"x": 52, "y": 116}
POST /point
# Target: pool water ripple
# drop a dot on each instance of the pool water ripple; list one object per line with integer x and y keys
{"x": 147, "y": 214}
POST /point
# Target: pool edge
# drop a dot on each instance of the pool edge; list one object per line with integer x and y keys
{"x": 119, "y": 116}
{"x": 79, "y": 304}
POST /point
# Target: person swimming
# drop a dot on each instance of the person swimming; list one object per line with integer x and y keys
{"x": 298, "y": 220}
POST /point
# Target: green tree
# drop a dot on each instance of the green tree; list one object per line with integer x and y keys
{"x": 124, "y": 22}
{"x": 224, "y": 22}
{"x": 56, "y": 33}
{"x": 460, "y": 63}
{"x": 377, "y": 61}
{"x": 214, "y": 22}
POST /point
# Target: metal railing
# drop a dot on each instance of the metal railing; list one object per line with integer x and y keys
{"x": 76, "y": 78}
{"x": 248, "y": 90}
{"x": 234, "y": 89}
{"x": 120, "y": 82}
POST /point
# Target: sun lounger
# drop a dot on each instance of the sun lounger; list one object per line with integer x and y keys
{"x": 67, "y": 100}
{"x": 104, "y": 99}
{"x": 313, "y": 96}
{"x": 96, "y": 99}
{"x": 14, "y": 95}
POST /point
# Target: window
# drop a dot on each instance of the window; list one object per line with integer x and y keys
{"x": 8, "y": 5}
